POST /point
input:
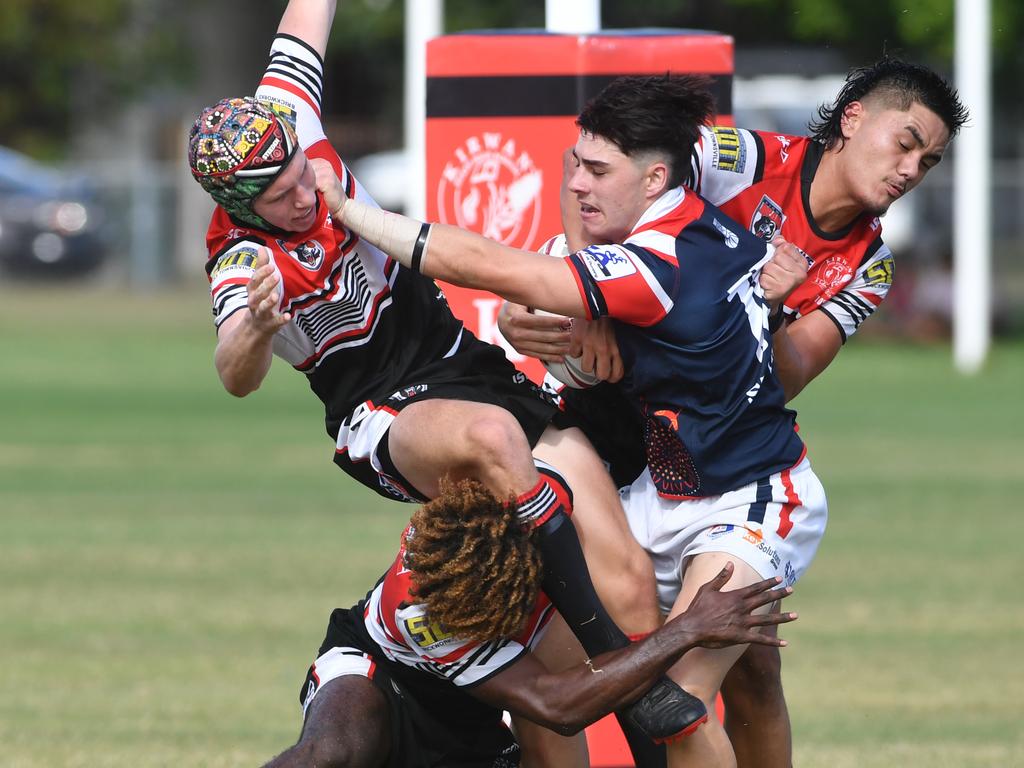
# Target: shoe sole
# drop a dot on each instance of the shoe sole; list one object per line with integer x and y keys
{"x": 677, "y": 737}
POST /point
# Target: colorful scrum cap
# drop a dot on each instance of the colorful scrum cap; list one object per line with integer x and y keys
{"x": 236, "y": 149}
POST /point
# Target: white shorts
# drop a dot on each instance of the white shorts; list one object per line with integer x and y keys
{"x": 773, "y": 525}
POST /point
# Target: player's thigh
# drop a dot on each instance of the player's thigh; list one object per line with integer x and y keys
{"x": 459, "y": 438}
{"x": 597, "y": 511}
{"x": 702, "y": 670}
{"x": 347, "y": 724}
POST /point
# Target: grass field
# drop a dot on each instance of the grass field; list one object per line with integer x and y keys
{"x": 169, "y": 555}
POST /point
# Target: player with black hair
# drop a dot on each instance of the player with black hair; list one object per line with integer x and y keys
{"x": 889, "y": 125}
{"x": 689, "y": 293}
{"x": 418, "y": 673}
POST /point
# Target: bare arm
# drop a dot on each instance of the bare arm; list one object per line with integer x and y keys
{"x": 245, "y": 340}
{"x": 310, "y": 21}
{"x": 455, "y": 255}
{"x": 568, "y": 701}
{"x": 803, "y": 349}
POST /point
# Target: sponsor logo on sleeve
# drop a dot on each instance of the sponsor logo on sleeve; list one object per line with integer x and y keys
{"x": 241, "y": 261}
{"x": 731, "y": 238}
{"x": 283, "y": 109}
{"x": 605, "y": 263}
{"x": 427, "y": 634}
{"x": 768, "y": 219}
{"x": 728, "y": 151}
{"x": 881, "y": 272}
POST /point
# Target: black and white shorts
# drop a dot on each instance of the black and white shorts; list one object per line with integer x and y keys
{"x": 478, "y": 373}
{"x": 432, "y": 722}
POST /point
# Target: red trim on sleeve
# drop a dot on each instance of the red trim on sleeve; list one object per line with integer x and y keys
{"x": 579, "y": 287}
{"x": 293, "y": 89}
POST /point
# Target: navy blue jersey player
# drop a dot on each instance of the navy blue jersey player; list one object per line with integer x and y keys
{"x": 691, "y": 293}
{"x": 693, "y": 334}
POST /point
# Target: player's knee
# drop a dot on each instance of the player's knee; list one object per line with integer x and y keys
{"x": 339, "y": 754}
{"x": 345, "y": 748}
{"x": 634, "y": 583}
{"x": 761, "y": 665}
{"x": 755, "y": 680}
{"x": 495, "y": 440}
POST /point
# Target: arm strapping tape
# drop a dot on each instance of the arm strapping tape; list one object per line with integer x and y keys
{"x": 402, "y": 238}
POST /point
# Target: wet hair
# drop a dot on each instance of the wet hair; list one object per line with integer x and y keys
{"x": 660, "y": 113}
{"x": 473, "y": 565}
{"x": 896, "y": 83}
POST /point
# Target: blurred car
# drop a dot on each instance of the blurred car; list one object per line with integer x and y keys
{"x": 50, "y": 224}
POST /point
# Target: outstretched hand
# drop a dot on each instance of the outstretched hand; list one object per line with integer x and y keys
{"x": 717, "y": 619}
{"x": 329, "y": 186}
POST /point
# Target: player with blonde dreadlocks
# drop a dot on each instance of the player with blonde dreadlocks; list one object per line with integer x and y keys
{"x": 473, "y": 564}
{"x": 419, "y": 672}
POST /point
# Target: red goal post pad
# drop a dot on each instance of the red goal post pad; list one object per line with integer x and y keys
{"x": 501, "y": 109}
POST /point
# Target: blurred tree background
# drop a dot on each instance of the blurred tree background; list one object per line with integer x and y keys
{"x": 68, "y": 62}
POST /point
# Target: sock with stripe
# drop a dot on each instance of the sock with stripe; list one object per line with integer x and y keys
{"x": 546, "y": 507}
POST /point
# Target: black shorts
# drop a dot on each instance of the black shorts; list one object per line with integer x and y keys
{"x": 614, "y": 425}
{"x": 478, "y": 373}
{"x": 432, "y": 722}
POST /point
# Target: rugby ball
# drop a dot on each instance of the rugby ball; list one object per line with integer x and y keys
{"x": 571, "y": 371}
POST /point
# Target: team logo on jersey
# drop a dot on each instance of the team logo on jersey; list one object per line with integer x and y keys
{"x": 409, "y": 392}
{"x": 309, "y": 254}
{"x": 728, "y": 151}
{"x": 606, "y": 263}
{"x": 731, "y": 238}
{"x": 832, "y": 275}
{"x": 492, "y": 186}
{"x": 768, "y": 219}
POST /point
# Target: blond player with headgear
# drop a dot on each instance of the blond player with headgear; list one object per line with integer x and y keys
{"x": 410, "y": 396}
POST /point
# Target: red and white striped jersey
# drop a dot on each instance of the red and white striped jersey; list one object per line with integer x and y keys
{"x": 405, "y": 634}
{"x": 762, "y": 180}
{"x": 359, "y": 321}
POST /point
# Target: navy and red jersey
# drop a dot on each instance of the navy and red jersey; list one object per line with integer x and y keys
{"x": 692, "y": 329}
{"x": 762, "y": 181}
{"x": 400, "y": 628}
{"x": 359, "y": 321}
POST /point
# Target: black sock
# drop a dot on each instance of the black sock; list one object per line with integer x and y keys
{"x": 566, "y": 578}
